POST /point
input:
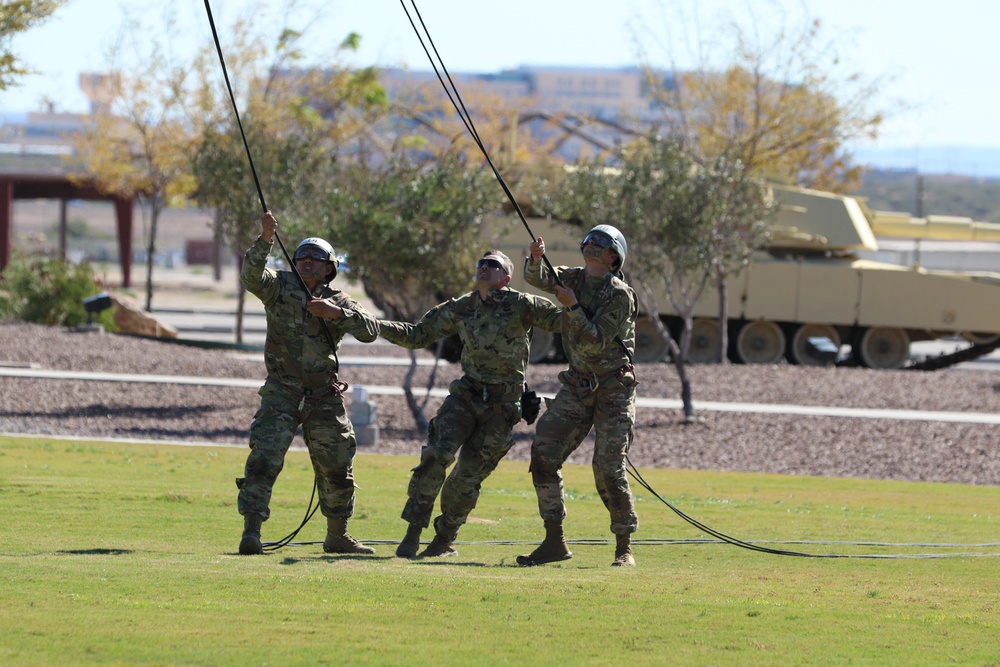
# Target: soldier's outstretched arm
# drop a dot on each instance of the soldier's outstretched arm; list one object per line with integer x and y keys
{"x": 439, "y": 322}
{"x": 544, "y": 314}
{"x": 359, "y": 322}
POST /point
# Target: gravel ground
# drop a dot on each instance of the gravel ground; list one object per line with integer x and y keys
{"x": 827, "y": 446}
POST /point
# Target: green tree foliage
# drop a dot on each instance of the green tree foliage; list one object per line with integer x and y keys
{"x": 688, "y": 227}
{"x": 17, "y": 16}
{"x": 297, "y": 126}
{"x": 48, "y": 291}
{"x": 412, "y": 234}
{"x": 412, "y": 231}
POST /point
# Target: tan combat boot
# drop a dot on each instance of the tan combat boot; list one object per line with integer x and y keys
{"x": 339, "y": 542}
{"x": 439, "y": 546}
{"x": 250, "y": 544}
{"x": 623, "y": 552}
{"x": 553, "y": 548}
{"x": 411, "y": 542}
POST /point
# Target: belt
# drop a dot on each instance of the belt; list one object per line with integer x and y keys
{"x": 496, "y": 393}
{"x": 319, "y": 393}
{"x": 593, "y": 380}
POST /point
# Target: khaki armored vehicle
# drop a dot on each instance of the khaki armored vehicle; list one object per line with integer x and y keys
{"x": 810, "y": 284}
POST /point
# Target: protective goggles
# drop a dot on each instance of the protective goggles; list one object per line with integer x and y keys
{"x": 491, "y": 263}
{"x": 600, "y": 239}
{"x": 312, "y": 253}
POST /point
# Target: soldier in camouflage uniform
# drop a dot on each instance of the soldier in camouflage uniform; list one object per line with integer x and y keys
{"x": 598, "y": 390}
{"x": 482, "y": 407}
{"x": 304, "y": 331}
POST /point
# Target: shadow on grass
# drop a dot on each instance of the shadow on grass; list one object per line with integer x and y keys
{"x": 96, "y": 552}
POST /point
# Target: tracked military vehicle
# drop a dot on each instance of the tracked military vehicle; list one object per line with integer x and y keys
{"x": 810, "y": 284}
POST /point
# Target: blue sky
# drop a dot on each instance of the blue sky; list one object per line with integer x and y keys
{"x": 938, "y": 58}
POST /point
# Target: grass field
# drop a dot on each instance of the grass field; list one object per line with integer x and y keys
{"x": 125, "y": 554}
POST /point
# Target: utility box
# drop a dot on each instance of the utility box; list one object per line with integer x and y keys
{"x": 364, "y": 417}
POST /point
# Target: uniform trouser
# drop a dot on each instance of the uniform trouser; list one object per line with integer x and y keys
{"x": 566, "y": 422}
{"x": 329, "y": 437}
{"x": 481, "y": 436}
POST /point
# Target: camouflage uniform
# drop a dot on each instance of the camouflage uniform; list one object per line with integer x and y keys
{"x": 301, "y": 388}
{"x": 482, "y": 407}
{"x": 597, "y": 390}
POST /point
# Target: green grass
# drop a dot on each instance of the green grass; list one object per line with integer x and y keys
{"x": 124, "y": 554}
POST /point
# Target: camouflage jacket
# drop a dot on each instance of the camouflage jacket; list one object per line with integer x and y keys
{"x": 297, "y": 353}
{"x": 589, "y": 339}
{"x": 495, "y": 333}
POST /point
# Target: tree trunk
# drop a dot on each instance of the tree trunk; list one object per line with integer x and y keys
{"x": 241, "y": 299}
{"x": 154, "y": 218}
{"x": 680, "y": 361}
{"x": 411, "y": 400}
{"x": 155, "y": 208}
{"x": 688, "y": 404}
{"x": 723, "y": 323}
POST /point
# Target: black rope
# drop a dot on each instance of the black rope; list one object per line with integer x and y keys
{"x": 451, "y": 90}
{"x": 253, "y": 170}
{"x": 287, "y": 539}
{"x": 754, "y": 546}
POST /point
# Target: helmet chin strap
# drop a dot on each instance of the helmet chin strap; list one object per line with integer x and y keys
{"x": 594, "y": 252}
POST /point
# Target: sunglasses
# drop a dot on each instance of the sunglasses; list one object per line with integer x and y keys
{"x": 491, "y": 263}
{"x": 600, "y": 239}
{"x": 312, "y": 253}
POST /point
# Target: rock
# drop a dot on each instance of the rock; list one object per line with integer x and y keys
{"x": 131, "y": 318}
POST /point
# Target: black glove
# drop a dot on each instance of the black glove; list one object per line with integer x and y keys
{"x": 531, "y": 405}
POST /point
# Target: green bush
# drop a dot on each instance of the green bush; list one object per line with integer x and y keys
{"x": 49, "y": 291}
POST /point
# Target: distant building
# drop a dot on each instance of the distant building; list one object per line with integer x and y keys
{"x": 598, "y": 101}
{"x": 599, "y": 92}
{"x": 40, "y": 133}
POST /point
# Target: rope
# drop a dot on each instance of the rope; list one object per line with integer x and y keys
{"x": 451, "y": 90}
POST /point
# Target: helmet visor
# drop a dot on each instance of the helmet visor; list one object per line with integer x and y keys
{"x": 600, "y": 239}
{"x": 312, "y": 252}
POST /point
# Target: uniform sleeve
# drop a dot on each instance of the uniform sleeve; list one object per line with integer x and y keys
{"x": 595, "y": 332}
{"x": 537, "y": 275}
{"x": 259, "y": 280}
{"x": 543, "y": 314}
{"x": 438, "y": 323}
{"x": 359, "y": 322}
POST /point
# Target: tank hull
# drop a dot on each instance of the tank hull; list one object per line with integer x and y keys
{"x": 875, "y": 307}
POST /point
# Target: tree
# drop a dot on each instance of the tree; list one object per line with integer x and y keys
{"x": 298, "y": 124}
{"x": 17, "y": 16}
{"x": 782, "y": 109}
{"x": 412, "y": 234}
{"x": 779, "y": 111}
{"x": 140, "y": 143}
{"x": 681, "y": 221}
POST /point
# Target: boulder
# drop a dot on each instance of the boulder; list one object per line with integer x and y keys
{"x": 131, "y": 318}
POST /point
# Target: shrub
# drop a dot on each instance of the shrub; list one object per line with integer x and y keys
{"x": 49, "y": 291}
